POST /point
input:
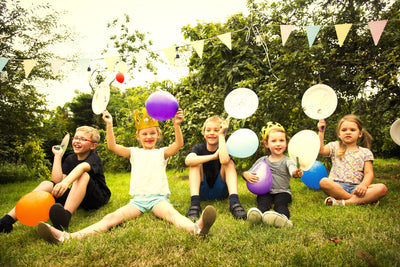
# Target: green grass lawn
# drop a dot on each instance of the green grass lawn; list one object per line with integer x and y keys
{"x": 321, "y": 236}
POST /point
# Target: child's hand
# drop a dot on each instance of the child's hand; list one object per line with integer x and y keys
{"x": 360, "y": 190}
{"x": 224, "y": 127}
{"x": 107, "y": 117}
{"x": 178, "y": 118}
{"x": 57, "y": 150}
{"x": 297, "y": 173}
{"x": 59, "y": 189}
{"x": 251, "y": 177}
{"x": 321, "y": 125}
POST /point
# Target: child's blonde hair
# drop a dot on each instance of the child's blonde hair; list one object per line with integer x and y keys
{"x": 272, "y": 127}
{"x": 365, "y": 139}
{"x": 94, "y": 133}
{"x": 212, "y": 119}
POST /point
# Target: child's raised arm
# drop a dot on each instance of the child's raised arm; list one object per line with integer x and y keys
{"x": 112, "y": 146}
{"x": 224, "y": 157}
{"x": 175, "y": 146}
{"x": 323, "y": 149}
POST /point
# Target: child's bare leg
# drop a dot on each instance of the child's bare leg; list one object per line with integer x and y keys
{"x": 165, "y": 210}
{"x": 229, "y": 175}
{"x": 333, "y": 189}
{"x": 373, "y": 194}
{"x": 195, "y": 178}
{"x": 77, "y": 193}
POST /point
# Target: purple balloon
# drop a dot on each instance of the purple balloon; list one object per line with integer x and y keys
{"x": 161, "y": 105}
{"x": 263, "y": 172}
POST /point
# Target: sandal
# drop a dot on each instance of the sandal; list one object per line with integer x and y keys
{"x": 238, "y": 211}
{"x": 331, "y": 201}
{"x": 194, "y": 212}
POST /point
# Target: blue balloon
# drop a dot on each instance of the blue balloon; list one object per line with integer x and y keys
{"x": 242, "y": 143}
{"x": 263, "y": 185}
{"x": 312, "y": 176}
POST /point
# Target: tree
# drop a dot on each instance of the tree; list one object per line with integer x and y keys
{"x": 25, "y": 35}
{"x": 281, "y": 74}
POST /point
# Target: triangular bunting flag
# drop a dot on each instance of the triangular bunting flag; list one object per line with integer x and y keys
{"x": 28, "y": 66}
{"x": 122, "y": 67}
{"x": 111, "y": 61}
{"x": 84, "y": 64}
{"x": 170, "y": 53}
{"x": 286, "y": 30}
{"x": 226, "y": 39}
{"x": 376, "y": 28}
{"x": 3, "y": 62}
{"x": 198, "y": 46}
{"x": 56, "y": 65}
{"x": 341, "y": 31}
{"x": 312, "y": 32}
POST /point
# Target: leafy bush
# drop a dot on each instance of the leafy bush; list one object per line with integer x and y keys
{"x": 11, "y": 173}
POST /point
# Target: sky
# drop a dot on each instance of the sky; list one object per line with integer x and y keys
{"x": 161, "y": 19}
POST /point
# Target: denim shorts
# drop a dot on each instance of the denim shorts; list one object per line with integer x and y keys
{"x": 146, "y": 203}
{"x": 349, "y": 188}
{"x": 218, "y": 192}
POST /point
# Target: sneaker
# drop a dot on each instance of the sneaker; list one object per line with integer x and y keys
{"x": 59, "y": 217}
{"x": 254, "y": 216}
{"x": 238, "y": 211}
{"x": 208, "y": 216}
{"x": 194, "y": 212}
{"x": 276, "y": 219}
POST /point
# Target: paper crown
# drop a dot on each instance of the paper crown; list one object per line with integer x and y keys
{"x": 145, "y": 122}
{"x": 270, "y": 126}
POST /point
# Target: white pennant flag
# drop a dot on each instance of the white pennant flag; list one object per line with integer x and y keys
{"x": 56, "y": 65}
{"x": 111, "y": 61}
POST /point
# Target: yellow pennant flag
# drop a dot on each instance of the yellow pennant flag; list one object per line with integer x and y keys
{"x": 28, "y": 66}
{"x": 226, "y": 39}
{"x": 170, "y": 53}
{"x": 198, "y": 47}
{"x": 341, "y": 31}
{"x": 111, "y": 61}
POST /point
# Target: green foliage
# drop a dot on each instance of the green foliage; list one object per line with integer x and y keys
{"x": 25, "y": 35}
{"x": 32, "y": 154}
{"x": 14, "y": 173}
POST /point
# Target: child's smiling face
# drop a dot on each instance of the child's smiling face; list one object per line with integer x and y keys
{"x": 276, "y": 142}
{"x": 148, "y": 137}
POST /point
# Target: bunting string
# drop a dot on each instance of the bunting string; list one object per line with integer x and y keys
{"x": 376, "y": 29}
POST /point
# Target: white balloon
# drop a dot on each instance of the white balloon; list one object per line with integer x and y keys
{"x": 395, "y": 131}
{"x": 304, "y": 148}
{"x": 241, "y": 103}
{"x": 242, "y": 143}
{"x": 100, "y": 98}
{"x": 319, "y": 101}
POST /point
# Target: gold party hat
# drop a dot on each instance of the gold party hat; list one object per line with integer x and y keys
{"x": 270, "y": 126}
{"x": 145, "y": 122}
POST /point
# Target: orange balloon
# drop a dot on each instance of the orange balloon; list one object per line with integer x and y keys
{"x": 34, "y": 207}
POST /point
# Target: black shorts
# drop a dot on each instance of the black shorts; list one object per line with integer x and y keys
{"x": 94, "y": 198}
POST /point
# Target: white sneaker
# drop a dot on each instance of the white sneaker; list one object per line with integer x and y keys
{"x": 254, "y": 216}
{"x": 276, "y": 219}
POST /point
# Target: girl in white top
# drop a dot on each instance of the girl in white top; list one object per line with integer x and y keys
{"x": 149, "y": 184}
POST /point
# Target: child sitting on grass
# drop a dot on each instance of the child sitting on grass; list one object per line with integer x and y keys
{"x": 282, "y": 169}
{"x": 149, "y": 183}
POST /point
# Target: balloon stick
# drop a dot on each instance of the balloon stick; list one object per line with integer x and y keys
{"x": 298, "y": 163}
